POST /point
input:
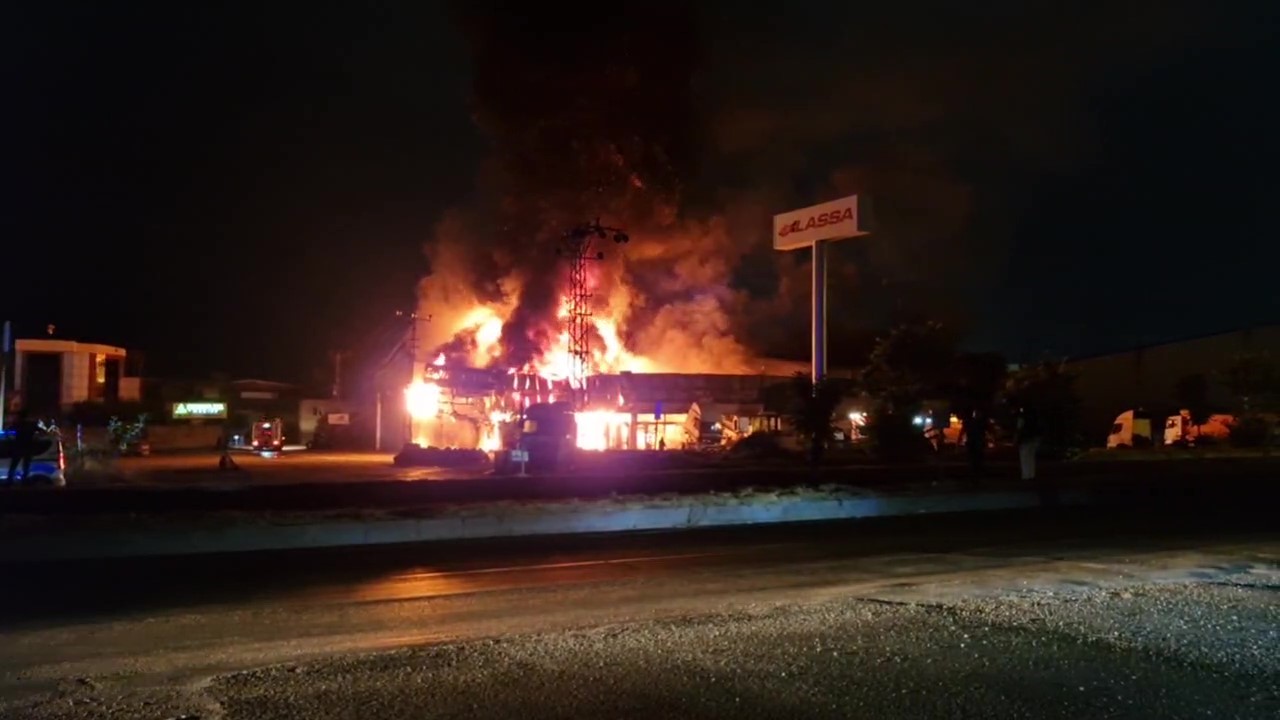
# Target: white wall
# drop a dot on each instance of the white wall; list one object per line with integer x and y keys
{"x": 75, "y": 377}
{"x": 130, "y": 387}
{"x": 311, "y": 409}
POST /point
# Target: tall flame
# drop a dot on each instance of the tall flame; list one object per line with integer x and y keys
{"x": 422, "y": 400}
{"x": 483, "y": 324}
{"x": 666, "y": 298}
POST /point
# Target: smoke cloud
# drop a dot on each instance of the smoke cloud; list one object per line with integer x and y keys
{"x": 589, "y": 116}
{"x": 955, "y": 119}
{"x": 651, "y": 117}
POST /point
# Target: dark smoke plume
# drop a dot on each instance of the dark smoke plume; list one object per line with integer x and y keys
{"x": 955, "y": 119}
{"x": 951, "y": 125}
{"x": 589, "y": 113}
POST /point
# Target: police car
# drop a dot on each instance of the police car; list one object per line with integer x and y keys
{"x": 48, "y": 462}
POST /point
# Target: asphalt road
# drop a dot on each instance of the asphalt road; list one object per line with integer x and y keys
{"x": 297, "y": 465}
{"x": 288, "y": 468}
{"x": 1043, "y": 615}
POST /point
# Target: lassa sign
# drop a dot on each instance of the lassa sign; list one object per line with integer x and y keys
{"x": 835, "y": 217}
{"x": 828, "y": 221}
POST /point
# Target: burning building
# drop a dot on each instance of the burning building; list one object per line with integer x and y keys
{"x": 525, "y": 314}
{"x": 631, "y": 340}
{"x": 464, "y": 397}
{"x": 656, "y": 308}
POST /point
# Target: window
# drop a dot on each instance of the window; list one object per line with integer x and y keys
{"x": 97, "y": 377}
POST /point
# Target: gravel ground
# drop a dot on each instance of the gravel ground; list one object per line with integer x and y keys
{"x": 1177, "y": 650}
{"x": 1220, "y": 625}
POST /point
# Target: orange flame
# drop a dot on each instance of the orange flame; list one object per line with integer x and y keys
{"x": 483, "y": 325}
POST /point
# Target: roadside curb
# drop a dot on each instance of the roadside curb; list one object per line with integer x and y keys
{"x": 43, "y": 546}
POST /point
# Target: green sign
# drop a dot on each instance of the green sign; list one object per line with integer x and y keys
{"x": 200, "y": 411}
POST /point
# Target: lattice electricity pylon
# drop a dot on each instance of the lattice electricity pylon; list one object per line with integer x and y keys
{"x": 576, "y": 247}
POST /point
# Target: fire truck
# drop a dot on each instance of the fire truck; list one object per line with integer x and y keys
{"x": 267, "y": 435}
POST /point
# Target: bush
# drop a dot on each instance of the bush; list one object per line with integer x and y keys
{"x": 893, "y": 438}
{"x": 1049, "y": 390}
{"x": 416, "y": 456}
{"x": 1251, "y": 431}
{"x": 1204, "y": 441}
{"x": 812, "y": 411}
{"x": 122, "y": 434}
{"x": 761, "y": 446}
{"x": 97, "y": 414}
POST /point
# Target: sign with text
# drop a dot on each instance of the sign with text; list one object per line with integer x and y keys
{"x": 200, "y": 411}
{"x": 339, "y": 419}
{"x": 829, "y": 221}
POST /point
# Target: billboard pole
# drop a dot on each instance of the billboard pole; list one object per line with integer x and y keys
{"x": 819, "y": 311}
{"x": 816, "y": 227}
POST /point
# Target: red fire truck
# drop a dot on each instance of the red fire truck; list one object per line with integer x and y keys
{"x": 267, "y": 435}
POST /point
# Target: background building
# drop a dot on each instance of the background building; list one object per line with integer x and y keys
{"x": 51, "y": 376}
{"x": 1148, "y": 377}
{"x": 246, "y": 401}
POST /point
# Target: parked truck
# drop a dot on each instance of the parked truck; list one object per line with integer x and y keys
{"x": 1138, "y": 429}
{"x": 1132, "y": 428}
{"x": 547, "y": 440}
{"x": 1181, "y": 429}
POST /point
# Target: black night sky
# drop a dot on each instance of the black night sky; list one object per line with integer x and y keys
{"x": 245, "y": 187}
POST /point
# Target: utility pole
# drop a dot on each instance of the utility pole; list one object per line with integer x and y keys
{"x": 338, "y": 355}
{"x": 4, "y": 372}
{"x": 377, "y": 420}
{"x": 414, "y": 319}
{"x": 576, "y": 247}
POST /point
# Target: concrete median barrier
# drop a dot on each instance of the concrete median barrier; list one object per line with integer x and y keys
{"x": 38, "y": 540}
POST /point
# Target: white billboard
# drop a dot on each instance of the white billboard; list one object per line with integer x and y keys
{"x": 828, "y": 221}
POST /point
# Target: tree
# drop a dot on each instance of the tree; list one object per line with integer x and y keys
{"x": 813, "y": 409}
{"x": 909, "y": 365}
{"x": 906, "y": 367}
{"x": 1049, "y": 390}
{"x": 1192, "y": 394}
{"x": 1254, "y": 381}
{"x": 976, "y": 380}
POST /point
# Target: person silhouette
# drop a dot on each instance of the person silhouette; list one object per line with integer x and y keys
{"x": 24, "y": 445}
